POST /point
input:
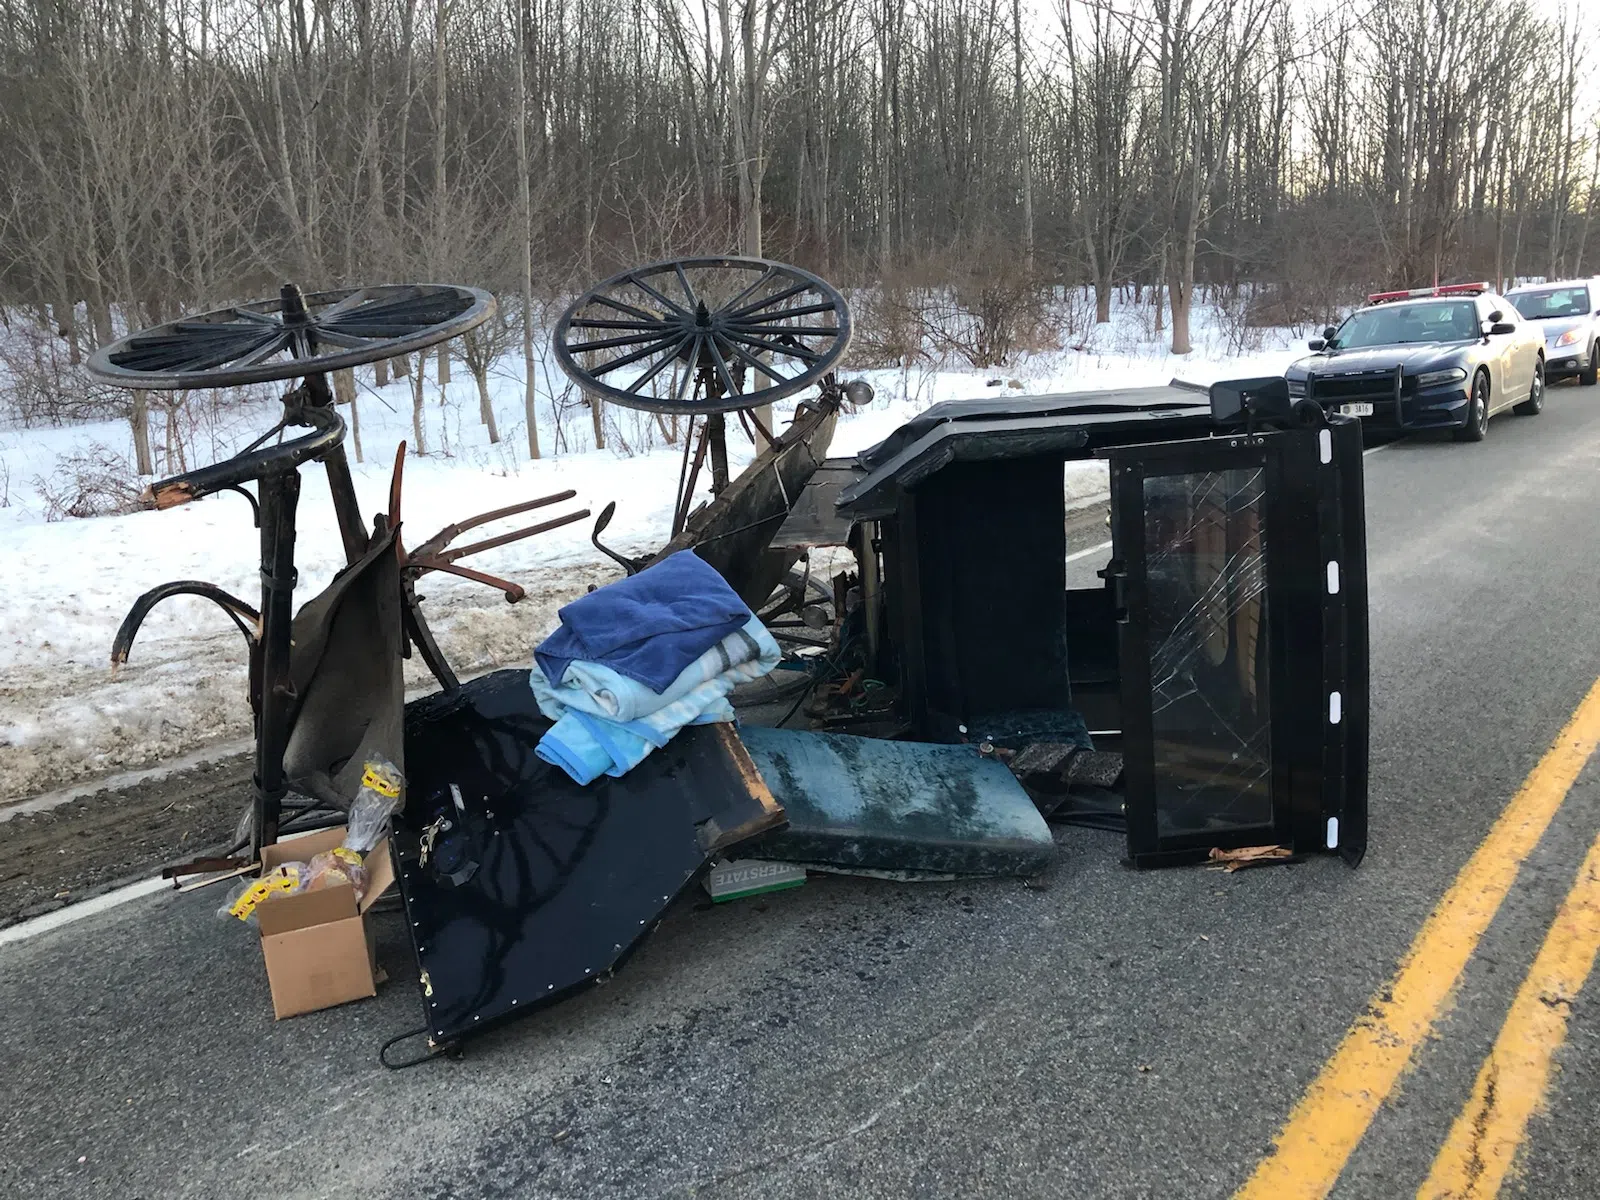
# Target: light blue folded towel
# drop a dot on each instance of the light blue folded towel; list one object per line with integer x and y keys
{"x": 606, "y": 723}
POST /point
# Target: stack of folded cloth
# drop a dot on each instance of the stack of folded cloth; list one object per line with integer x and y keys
{"x": 634, "y": 662}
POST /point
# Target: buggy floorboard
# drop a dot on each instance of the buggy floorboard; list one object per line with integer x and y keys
{"x": 557, "y": 882}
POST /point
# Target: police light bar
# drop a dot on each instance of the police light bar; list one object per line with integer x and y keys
{"x": 1449, "y": 289}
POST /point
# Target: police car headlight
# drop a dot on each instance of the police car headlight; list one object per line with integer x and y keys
{"x": 1297, "y": 387}
{"x": 1569, "y": 338}
{"x": 1435, "y": 378}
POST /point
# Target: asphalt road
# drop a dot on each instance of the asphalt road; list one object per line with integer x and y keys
{"x": 1101, "y": 1033}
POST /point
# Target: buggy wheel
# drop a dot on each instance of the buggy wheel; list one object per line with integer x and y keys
{"x": 803, "y": 643}
{"x": 703, "y": 335}
{"x": 1477, "y": 426}
{"x": 291, "y": 336}
{"x": 1534, "y": 404}
{"x": 1590, "y": 375}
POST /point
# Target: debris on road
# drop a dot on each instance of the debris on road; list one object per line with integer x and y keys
{"x": 1249, "y": 856}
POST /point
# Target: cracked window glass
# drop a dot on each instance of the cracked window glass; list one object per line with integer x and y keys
{"x": 1206, "y": 542}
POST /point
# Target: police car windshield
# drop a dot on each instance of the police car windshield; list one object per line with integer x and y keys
{"x": 1552, "y": 302}
{"x": 1399, "y": 324}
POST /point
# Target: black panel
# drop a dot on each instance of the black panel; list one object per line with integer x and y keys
{"x": 991, "y": 552}
{"x": 554, "y": 883}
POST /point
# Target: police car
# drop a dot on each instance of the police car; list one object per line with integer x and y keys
{"x": 1446, "y": 357}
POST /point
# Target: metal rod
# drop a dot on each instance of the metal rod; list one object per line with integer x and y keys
{"x": 280, "y": 495}
{"x": 686, "y": 488}
{"x": 868, "y": 558}
{"x": 346, "y": 508}
{"x": 450, "y": 532}
{"x": 513, "y": 591}
{"x": 515, "y": 535}
{"x": 717, "y": 434}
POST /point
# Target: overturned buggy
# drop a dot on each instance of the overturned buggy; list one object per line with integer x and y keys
{"x": 954, "y": 684}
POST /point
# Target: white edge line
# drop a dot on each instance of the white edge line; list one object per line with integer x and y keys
{"x": 24, "y": 930}
{"x": 95, "y": 905}
{"x": 1077, "y": 554}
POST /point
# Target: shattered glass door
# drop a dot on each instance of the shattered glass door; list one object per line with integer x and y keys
{"x": 1205, "y": 544}
{"x": 1200, "y": 550}
{"x": 1238, "y": 580}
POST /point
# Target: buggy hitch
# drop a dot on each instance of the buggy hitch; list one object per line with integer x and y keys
{"x": 433, "y": 547}
{"x": 432, "y": 555}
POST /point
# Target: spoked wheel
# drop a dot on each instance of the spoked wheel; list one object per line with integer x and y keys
{"x": 703, "y": 335}
{"x": 799, "y": 615}
{"x": 292, "y": 335}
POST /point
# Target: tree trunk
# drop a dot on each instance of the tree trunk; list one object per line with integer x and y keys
{"x": 525, "y": 216}
{"x": 417, "y": 382}
{"x": 598, "y": 417}
{"x": 344, "y": 392}
{"x": 100, "y": 322}
{"x": 444, "y": 366}
{"x": 139, "y": 419}
{"x": 480, "y": 376}
{"x": 1181, "y": 295}
{"x": 1180, "y": 280}
{"x": 67, "y": 328}
{"x": 1022, "y": 141}
{"x": 1156, "y": 284}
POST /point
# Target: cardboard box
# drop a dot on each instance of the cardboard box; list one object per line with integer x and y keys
{"x": 316, "y": 945}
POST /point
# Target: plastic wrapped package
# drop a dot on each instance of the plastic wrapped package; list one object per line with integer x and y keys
{"x": 378, "y": 800}
{"x": 284, "y": 880}
{"x": 339, "y": 865}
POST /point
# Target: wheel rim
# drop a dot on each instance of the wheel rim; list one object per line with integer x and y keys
{"x": 1480, "y": 406}
{"x": 291, "y": 335}
{"x": 1536, "y": 392}
{"x": 700, "y": 335}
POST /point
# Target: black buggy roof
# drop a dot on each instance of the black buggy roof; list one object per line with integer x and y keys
{"x": 1074, "y": 424}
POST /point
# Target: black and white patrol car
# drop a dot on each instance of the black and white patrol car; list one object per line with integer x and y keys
{"x": 1445, "y": 357}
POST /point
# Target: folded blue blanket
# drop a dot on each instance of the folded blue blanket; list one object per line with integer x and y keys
{"x": 607, "y": 725}
{"x": 647, "y": 627}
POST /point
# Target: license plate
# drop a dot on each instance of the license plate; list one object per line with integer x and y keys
{"x": 1355, "y": 410}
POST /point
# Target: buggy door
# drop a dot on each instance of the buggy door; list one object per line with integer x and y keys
{"x": 1240, "y": 578}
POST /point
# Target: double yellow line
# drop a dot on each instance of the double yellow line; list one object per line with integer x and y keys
{"x": 1331, "y": 1118}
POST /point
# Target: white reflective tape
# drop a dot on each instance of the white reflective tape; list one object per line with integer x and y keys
{"x": 1335, "y": 708}
{"x": 1333, "y": 579}
{"x": 1325, "y": 446}
{"x": 1333, "y": 833}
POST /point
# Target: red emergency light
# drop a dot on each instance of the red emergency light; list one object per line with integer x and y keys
{"x": 1449, "y": 289}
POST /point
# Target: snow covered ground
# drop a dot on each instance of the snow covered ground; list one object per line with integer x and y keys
{"x": 68, "y": 583}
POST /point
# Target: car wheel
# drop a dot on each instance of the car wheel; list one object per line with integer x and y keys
{"x": 1590, "y": 375}
{"x": 1477, "y": 426}
{"x": 1534, "y": 404}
